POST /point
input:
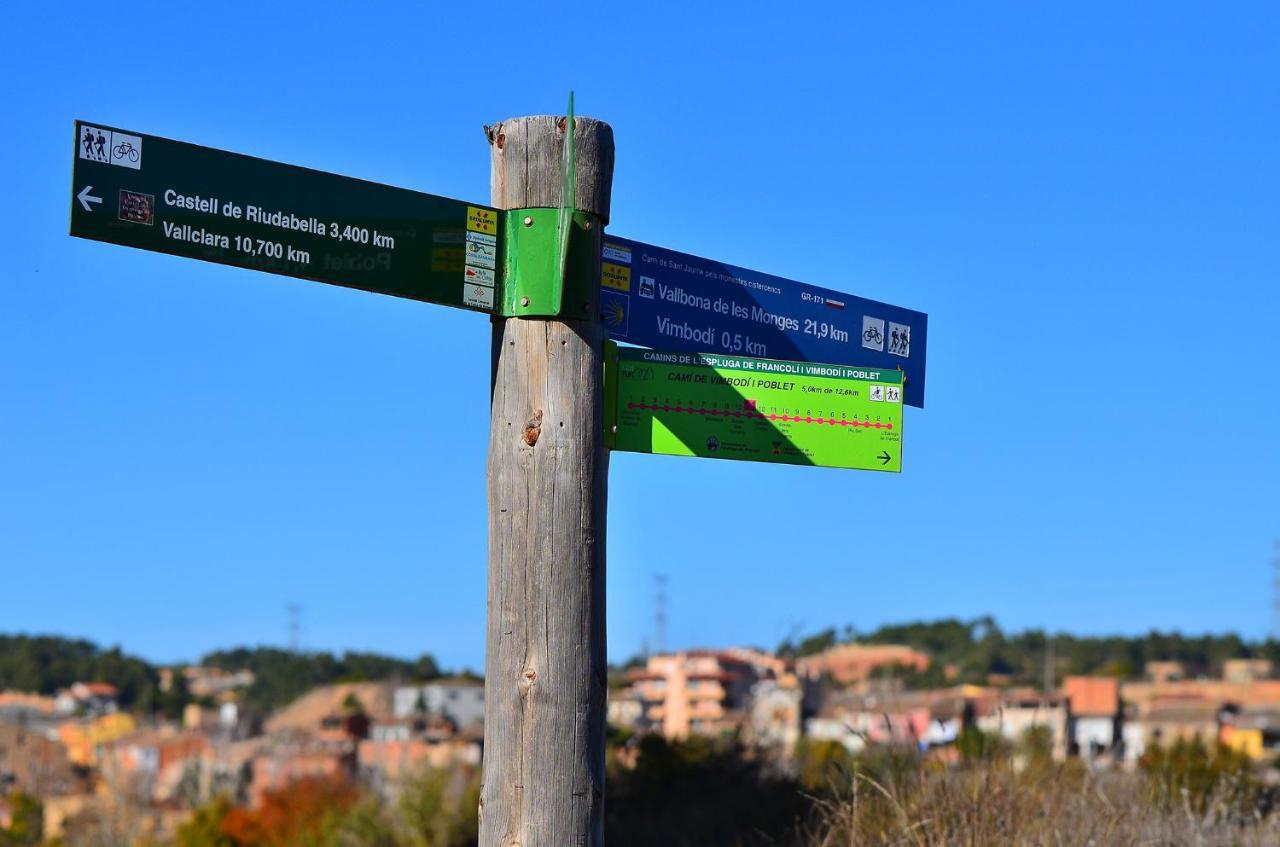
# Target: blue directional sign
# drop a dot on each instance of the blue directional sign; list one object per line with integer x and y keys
{"x": 655, "y": 297}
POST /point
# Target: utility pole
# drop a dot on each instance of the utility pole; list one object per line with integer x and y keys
{"x": 545, "y": 661}
{"x": 1275, "y": 596}
{"x": 1049, "y": 664}
{"x": 660, "y": 613}
{"x": 295, "y": 626}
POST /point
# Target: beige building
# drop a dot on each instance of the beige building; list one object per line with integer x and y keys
{"x": 1018, "y": 711}
{"x": 1165, "y": 722}
{"x": 1165, "y": 671}
{"x": 1246, "y": 670}
{"x": 851, "y": 663}
{"x": 34, "y": 764}
{"x": 698, "y": 692}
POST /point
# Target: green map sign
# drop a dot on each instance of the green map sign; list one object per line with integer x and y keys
{"x": 762, "y": 410}
{"x": 148, "y": 192}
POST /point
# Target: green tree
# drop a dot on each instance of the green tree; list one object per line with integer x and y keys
{"x": 204, "y": 828}
{"x": 1192, "y": 772}
{"x": 171, "y": 703}
{"x": 976, "y": 746}
{"x": 1036, "y": 744}
{"x": 26, "y": 825}
{"x": 439, "y": 807}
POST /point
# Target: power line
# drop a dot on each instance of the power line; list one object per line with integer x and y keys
{"x": 660, "y": 613}
{"x": 295, "y": 625}
{"x": 1275, "y": 595}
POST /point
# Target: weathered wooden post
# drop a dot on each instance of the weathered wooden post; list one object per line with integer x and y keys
{"x": 545, "y": 665}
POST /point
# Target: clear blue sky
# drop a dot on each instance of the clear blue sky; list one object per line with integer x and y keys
{"x": 1085, "y": 199}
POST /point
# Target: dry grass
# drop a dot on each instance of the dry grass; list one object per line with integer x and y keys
{"x": 1046, "y": 806}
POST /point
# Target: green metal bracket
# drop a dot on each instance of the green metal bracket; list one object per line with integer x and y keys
{"x": 533, "y": 282}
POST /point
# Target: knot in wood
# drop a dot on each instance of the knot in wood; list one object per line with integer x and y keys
{"x": 533, "y": 428}
{"x": 527, "y": 681}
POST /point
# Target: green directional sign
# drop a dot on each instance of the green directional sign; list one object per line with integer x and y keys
{"x": 143, "y": 191}
{"x": 761, "y": 410}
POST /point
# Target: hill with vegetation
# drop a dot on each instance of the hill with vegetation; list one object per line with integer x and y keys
{"x": 46, "y": 663}
{"x": 978, "y": 649}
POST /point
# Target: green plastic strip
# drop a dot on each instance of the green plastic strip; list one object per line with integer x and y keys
{"x": 568, "y": 191}
{"x": 610, "y": 393}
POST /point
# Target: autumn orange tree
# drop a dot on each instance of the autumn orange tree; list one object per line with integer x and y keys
{"x": 299, "y": 809}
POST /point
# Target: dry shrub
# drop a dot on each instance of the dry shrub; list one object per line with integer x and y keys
{"x": 1041, "y": 806}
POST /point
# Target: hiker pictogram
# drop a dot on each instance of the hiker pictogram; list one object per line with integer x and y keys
{"x": 899, "y": 339}
{"x": 93, "y": 144}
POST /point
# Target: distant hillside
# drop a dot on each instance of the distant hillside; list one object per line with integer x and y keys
{"x": 978, "y": 648}
{"x": 281, "y": 676}
{"x": 46, "y": 663}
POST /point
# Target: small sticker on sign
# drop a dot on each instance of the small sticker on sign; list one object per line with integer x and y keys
{"x": 893, "y": 394}
{"x": 137, "y": 207}
{"x": 617, "y": 277}
{"x": 484, "y": 255}
{"x": 873, "y": 333}
{"x": 876, "y": 393}
{"x": 483, "y": 276}
{"x": 95, "y": 144}
{"x": 482, "y": 220}
{"x": 477, "y": 295}
{"x": 899, "y": 339}
{"x": 617, "y": 253}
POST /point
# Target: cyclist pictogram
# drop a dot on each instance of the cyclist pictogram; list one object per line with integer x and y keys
{"x": 125, "y": 149}
{"x": 872, "y": 333}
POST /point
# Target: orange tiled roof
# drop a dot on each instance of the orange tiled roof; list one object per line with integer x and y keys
{"x": 1092, "y": 695}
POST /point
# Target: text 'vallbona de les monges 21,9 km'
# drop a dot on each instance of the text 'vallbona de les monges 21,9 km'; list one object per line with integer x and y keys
{"x": 661, "y": 298}
{"x": 169, "y": 196}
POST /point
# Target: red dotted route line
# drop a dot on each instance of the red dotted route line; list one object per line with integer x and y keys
{"x": 751, "y": 413}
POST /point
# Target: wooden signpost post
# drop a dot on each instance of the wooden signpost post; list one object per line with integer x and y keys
{"x": 545, "y": 663}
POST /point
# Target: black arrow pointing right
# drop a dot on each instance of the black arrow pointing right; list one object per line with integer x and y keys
{"x": 884, "y": 457}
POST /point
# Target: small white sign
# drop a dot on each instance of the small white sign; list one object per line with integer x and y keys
{"x": 483, "y": 255}
{"x": 94, "y": 144}
{"x": 483, "y": 276}
{"x": 126, "y": 150}
{"x": 616, "y": 253}
{"x": 877, "y": 393}
{"x": 873, "y": 333}
{"x": 115, "y": 148}
{"x": 483, "y": 238}
{"x": 899, "y": 339}
{"x": 477, "y": 295}
{"x": 893, "y": 394}
{"x": 646, "y": 287}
